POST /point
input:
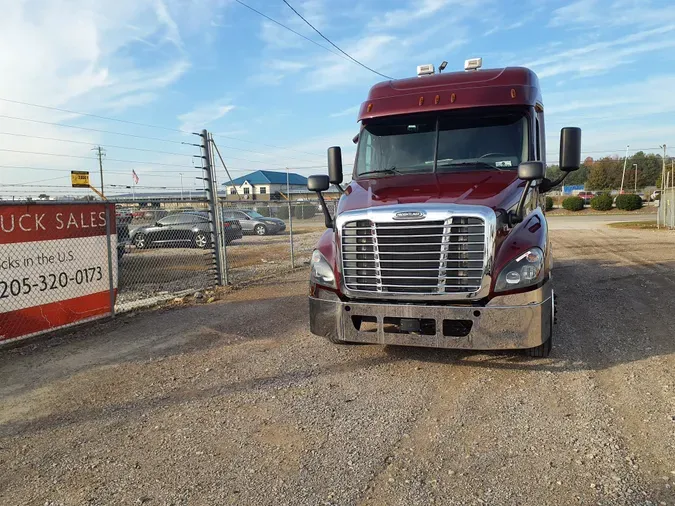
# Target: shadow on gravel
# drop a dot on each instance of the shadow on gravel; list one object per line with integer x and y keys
{"x": 133, "y": 410}
{"x": 609, "y": 313}
{"x": 148, "y": 336}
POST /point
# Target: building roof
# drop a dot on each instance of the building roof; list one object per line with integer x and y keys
{"x": 269, "y": 177}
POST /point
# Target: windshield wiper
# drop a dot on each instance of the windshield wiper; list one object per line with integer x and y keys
{"x": 388, "y": 170}
{"x": 477, "y": 164}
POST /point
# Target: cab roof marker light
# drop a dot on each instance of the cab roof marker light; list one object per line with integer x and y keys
{"x": 425, "y": 70}
{"x": 473, "y": 64}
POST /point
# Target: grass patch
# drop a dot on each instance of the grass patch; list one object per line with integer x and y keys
{"x": 635, "y": 225}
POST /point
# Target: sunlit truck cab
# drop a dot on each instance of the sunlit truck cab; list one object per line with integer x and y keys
{"x": 440, "y": 239}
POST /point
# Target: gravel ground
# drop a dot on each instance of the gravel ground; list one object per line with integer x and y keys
{"x": 236, "y": 403}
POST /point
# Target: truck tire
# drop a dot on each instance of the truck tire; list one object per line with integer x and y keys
{"x": 343, "y": 343}
{"x": 544, "y": 349}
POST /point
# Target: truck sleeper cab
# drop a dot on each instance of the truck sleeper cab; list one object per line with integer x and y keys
{"x": 440, "y": 239}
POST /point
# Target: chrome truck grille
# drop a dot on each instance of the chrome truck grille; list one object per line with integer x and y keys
{"x": 437, "y": 256}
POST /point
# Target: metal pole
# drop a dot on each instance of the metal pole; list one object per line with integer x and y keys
{"x": 226, "y": 171}
{"x": 663, "y": 171}
{"x": 635, "y": 165}
{"x": 623, "y": 174}
{"x": 111, "y": 279}
{"x": 290, "y": 217}
{"x": 100, "y": 154}
{"x": 181, "y": 185}
{"x": 223, "y": 242}
{"x": 212, "y": 207}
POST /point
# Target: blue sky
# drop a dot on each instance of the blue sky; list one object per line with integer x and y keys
{"x": 273, "y": 99}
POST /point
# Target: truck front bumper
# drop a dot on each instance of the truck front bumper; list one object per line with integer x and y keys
{"x": 507, "y": 322}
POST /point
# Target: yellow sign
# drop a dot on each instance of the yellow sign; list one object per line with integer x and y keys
{"x": 79, "y": 179}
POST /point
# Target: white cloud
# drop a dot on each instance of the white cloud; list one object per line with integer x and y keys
{"x": 202, "y": 115}
{"x": 607, "y": 14}
{"x": 80, "y": 55}
{"x": 380, "y": 51}
{"x": 602, "y": 56}
{"x": 416, "y": 12}
{"x": 613, "y": 116}
{"x": 350, "y": 111}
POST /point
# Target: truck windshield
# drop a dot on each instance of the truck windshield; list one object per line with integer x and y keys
{"x": 407, "y": 144}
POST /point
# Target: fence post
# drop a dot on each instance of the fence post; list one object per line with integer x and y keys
{"x": 219, "y": 211}
{"x": 212, "y": 199}
{"x": 111, "y": 280}
{"x": 290, "y": 218}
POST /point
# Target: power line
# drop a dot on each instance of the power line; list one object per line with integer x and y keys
{"x": 145, "y": 150}
{"x": 97, "y": 116}
{"x": 91, "y": 158}
{"x": 184, "y": 132}
{"x": 95, "y": 144}
{"x": 267, "y": 145}
{"x": 289, "y": 29}
{"x": 17, "y": 118}
{"x": 138, "y": 162}
{"x": 334, "y": 45}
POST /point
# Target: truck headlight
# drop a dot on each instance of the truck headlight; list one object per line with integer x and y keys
{"x": 525, "y": 270}
{"x": 321, "y": 273}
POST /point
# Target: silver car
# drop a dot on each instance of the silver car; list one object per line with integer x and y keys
{"x": 253, "y": 222}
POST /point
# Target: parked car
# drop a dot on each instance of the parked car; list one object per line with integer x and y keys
{"x": 587, "y": 196}
{"x": 122, "y": 238}
{"x": 253, "y": 222}
{"x": 186, "y": 229}
{"x": 123, "y": 215}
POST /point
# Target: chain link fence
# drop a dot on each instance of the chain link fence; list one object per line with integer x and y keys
{"x": 666, "y": 214}
{"x": 65, "y": 262}
{"x": 165, "y": 249}
{"x": 276, "y": 236}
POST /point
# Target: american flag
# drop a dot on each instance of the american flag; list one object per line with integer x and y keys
{"x": 134, "y": 176}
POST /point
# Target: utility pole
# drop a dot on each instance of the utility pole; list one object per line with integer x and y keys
{"x": 635, "y": 165}
{"x": 290, "y": 217}
{"x": 100, "y": 153}
{"x": 181, "y": 185}
{"x": 663, "y": 172}
{"x": 623, "y": 174}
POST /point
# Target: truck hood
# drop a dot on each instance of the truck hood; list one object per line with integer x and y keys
{"x": 494, "y": 189}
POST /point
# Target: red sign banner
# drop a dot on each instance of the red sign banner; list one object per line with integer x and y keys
{"x": 54, "y": 262}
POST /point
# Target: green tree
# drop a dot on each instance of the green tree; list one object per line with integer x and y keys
{"x": 597, "y": 178}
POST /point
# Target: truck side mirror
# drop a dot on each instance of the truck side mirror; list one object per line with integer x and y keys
{"x": 570, "y": 149}
{"x": 531, "y": 171}
{"x": 318, "y": 183}
{"x": 335, "y": 165}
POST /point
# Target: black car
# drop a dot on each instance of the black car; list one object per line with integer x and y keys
{"x": 183, "y": 229}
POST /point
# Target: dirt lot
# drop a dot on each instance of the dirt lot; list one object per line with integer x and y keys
{"x": 236, "y": 403}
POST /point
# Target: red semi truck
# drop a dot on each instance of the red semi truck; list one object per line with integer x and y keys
{"x": 440, "y": 239}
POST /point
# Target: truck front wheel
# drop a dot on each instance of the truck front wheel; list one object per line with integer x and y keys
{"x": 543, "y": 350}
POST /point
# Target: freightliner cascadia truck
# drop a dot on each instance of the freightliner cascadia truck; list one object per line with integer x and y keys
{"x": 440, "y": 238}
